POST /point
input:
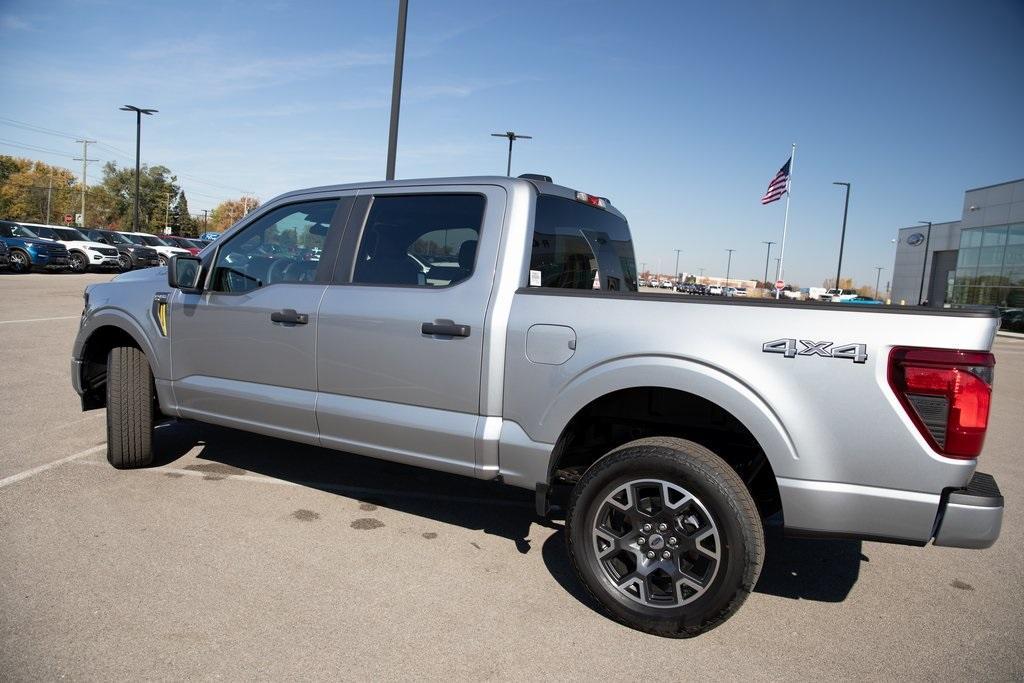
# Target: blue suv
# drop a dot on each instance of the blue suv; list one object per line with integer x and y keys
{"x": 28, "y": 250}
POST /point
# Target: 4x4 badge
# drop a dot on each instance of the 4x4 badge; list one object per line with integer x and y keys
{"x": 858, "y": 353}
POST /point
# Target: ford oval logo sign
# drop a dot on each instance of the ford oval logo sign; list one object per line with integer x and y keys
{"x": 915, "y": 239}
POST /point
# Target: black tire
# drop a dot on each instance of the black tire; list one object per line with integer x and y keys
{"x": 130, "y": 399}
{"x": 124, "y": 263}
{"x": 78, "y": 263}
{"x": 21, "y": 262}
{"x": 731, "y": 522}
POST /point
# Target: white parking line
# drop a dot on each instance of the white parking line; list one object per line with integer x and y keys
{"x": 15, "y": 478}
{"x": 39, "y": 320}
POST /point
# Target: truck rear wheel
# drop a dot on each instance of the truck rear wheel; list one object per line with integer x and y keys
{"x": 130, "y": 401}
{"x": 665, "y": 535}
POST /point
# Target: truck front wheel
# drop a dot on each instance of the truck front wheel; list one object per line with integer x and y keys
{"x": 130, "y": 399}
{"x": 665, "y": 535}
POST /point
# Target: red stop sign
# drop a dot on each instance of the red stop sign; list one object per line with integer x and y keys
{"x": 69, "y": 219}
{"x": 779, "y": 284}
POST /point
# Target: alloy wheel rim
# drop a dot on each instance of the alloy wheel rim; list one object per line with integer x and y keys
{"x": 18, "y": 261}
{"x": 78, "y": 263}
{"x": 656, "y": 543}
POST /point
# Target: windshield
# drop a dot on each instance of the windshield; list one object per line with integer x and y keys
{"x": 153, "y": 241}
{"x": 70, "y": 235}
{"x": 22, "y": 231}
{"x": 135, "y": 239}
{"x": 116, "y": 238}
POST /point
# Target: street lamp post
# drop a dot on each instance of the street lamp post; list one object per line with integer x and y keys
{"x": 677, "y": 264}
{"x": 924, "y": 263}
{"x": 878, "y": 276}
{"x": 728, "y": 267}
{"x": 396, "y": 89}
{"x": 842, "y": 238}
{"x": 702, "y": 275}
{"x": 767, "y": 257}
{"x": 138, "y": 142}
{"x": 512, "y": 137}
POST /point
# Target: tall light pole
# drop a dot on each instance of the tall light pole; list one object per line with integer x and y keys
{"x": 677, "y": 263}
{"x": 728, "y": 267}
{"x": 924, "y": 263}
{"x": 396, "y": 88}
{"x": 878, "y": 276}
{"x": 512, "y": 137}
{"x": 842, "y": 238}
{"x": 767, "y": 257}
{"x": 702, "y": 274}
{"x": 138, "y": 142}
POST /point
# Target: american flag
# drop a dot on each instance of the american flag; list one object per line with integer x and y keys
{"x": 778, "y": 186}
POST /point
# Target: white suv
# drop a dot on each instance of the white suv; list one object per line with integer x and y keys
{"x": 164, "y": 250}
{"x": 83, "y": 253}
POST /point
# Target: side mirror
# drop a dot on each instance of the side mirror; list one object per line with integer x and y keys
{"x": 185, "y": 273}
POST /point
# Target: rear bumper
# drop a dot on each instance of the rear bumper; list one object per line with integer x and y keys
{"x": 962, "y": 518}
{"x": 971, "y": 517}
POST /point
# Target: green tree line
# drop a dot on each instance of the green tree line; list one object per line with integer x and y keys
{"x": 36, "y": 192}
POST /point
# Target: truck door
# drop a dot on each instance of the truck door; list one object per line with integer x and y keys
{"x": 401, "y": 329}
{"x": 243, "y": 353}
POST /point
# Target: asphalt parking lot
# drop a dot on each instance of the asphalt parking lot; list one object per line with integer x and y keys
{"x": 241, "y": 556}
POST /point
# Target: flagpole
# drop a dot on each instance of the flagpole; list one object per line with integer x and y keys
{"x": 785, "y": 223}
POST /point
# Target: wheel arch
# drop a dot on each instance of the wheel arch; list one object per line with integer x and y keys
{"x": 103, "y": 331}
{"x": 632, "y": 398}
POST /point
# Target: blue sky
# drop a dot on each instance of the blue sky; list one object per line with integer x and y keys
{"x": 679, "y": 112}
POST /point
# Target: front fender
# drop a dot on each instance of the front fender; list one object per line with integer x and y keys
{"x": 144, "y": 332}
{"x": 670, "y": 372}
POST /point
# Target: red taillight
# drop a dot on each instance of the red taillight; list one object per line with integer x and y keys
{"x": 947, "y": 394}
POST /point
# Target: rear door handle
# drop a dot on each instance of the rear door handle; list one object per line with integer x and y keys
{"x": 445, "y": 328}
{"x": 289, "y": 317}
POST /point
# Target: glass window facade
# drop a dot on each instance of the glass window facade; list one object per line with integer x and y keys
{"x": 990, "y": 267}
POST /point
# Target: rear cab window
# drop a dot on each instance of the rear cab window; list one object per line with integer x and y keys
{"x": 576, "y": 246}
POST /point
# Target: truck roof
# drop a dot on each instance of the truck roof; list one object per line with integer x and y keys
{"x": 542, "y": 187}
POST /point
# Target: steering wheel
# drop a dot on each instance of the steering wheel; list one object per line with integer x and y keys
{"x": 278, "y": 270}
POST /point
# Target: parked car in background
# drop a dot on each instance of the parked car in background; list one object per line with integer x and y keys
{"x": 666, "y": 284}
{"x": 867, "y": 300}
{"x": 83, "y": 253}
{"x": 1012, "y": 320}
{"x": 739, "y": 291}
{"x": 163, "y": 249}
{"x": 183, "y": 242}
{"x": 728, "y": 291}
{"x": 715, "y": 290}
{"x": 28, "y": 250}
{"x": 838, "y": 295}
{"x": 129, "y": 254}
{"x": 5, "y": 255}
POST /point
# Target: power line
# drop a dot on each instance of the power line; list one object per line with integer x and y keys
{"x": 36, "y": 129}
{"x": 36, "y": 148}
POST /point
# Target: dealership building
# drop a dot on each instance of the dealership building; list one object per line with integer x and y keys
{"x": 977, "y": 260}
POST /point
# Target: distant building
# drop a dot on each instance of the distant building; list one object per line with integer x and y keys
{"x": 977, "y": 260}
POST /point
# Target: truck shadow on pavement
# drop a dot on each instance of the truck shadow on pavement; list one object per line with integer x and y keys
{"x": 796, "y": 568}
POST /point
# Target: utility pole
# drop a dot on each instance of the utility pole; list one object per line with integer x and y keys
{"x": 924, "y": 263}
{"x": 85, "y": 164}
{"x": 728, "y": 267}
{"x": 677, "y": 264}
{"x": 167, "y": 212}
{"x": 878, "y": 277}
{"x": 643, "y": 266}
{"x": 702, "y": 274}
{"x": 842, "y": 239}
{"x": 49, "y": 191}
{"x": 396, "y": 88}
{"x": 206, "y": 213}
{"x": 512, "y": 137}
{"x": 767, "y": 257}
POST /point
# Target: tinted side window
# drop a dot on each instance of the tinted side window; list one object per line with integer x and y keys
{"x": 281, "y": 246}
{"x": 419, "y": 240}
{"x": 576, "y": 246}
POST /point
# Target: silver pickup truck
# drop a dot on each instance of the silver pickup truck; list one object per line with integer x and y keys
{"x": 491, "y": 327}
